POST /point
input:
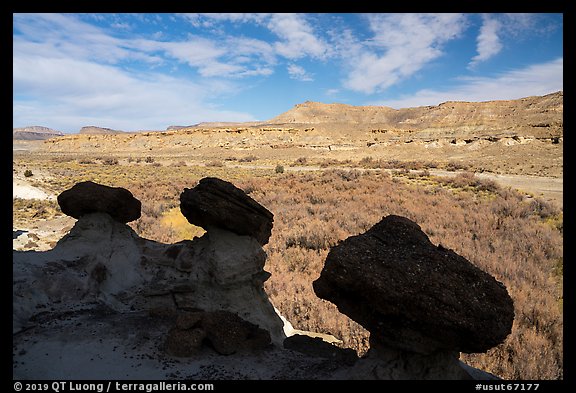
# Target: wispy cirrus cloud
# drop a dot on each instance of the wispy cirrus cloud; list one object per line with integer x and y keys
{"x": 297, "y": 37}
{"x": 488, "y": 41}
{"x": 299, "y": 73}
{"x": 497, "y": 27}
{"x": 402, "y": 44}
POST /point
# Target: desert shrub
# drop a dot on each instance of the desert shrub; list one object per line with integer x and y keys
{"x": 279, "y": 169}
{"x": 347, "y": 175}
{"x": 500, "y": 234}
{"x": 330, "y": 162}
{"x": 110, "y": 161}
{"x": 517, "y": 240}
{"x": 249, "y": 158}
{"x": 487, "y": 185}
{"x": 301, "y": 161}
{"x": 149, "y": 160}
{"x": 61, "y": 159}
{"x": 28, "y": 173}
{"x": 24, "y": 210}
{"x": 368, "y": 160}
{"x": 248, "y": 187}
{"x": 215, "y": 163}
{"x": 456, "y": 166}
{"x": 431, "y": 164}
{"x": 390, "y": 164}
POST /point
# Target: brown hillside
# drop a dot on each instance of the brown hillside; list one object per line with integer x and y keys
{"x": 536, "y": 116}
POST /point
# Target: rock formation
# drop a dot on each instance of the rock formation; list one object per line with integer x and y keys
{"x": 226, "y": 332}
{"x": 128, "y": 306}
{"x": 217, "y": 203}
{"x": 103, "y": 260}
{"x": 419, "y": 301}
{"x": 89, "y": 197}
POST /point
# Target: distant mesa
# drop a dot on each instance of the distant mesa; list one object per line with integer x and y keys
{"x": 93, "y": 130}
{"x": 35, "y": 133}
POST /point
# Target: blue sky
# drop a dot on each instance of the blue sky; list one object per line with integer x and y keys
{"x": 148, "y": 71}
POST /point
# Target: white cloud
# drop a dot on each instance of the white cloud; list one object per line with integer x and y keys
{"x": 67, "y": 36}
{"x": 66, "y": 94}
{"x": 497, "y": 29}
{"x": 402, "y": 45}
{"x": 298, "y": 38}
{"x": 72, "y": 70}
{"x": 488, "y": 41}
{"x": 296, "y": 35}
{"x": 299, "y": 73}
{"x": 537, "y": 79}
{"x": 332, "y": 92}
{"x": 209, "y": 19}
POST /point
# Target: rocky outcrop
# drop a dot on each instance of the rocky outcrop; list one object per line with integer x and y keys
{"x": 419, "y": 300}
{"x": 316, "y": 346}
{"x": 218, "y": 203}
{"x": 224, "y": 331}
{"x": 89, "y": 197}
{"x": 102, "y": 260}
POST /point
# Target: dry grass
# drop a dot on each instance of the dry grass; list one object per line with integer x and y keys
{"x": 516, "y": 240}
{"x": 26, "y": 210}
{"x": 519, "y": 242}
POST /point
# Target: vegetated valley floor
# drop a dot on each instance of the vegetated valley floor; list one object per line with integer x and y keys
{"x": 321, "y": 197}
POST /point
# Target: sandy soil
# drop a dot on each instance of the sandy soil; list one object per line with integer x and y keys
{"x": 21, "y": 189}
{"x": 551, "y": 189}
{"x": 42, "y": 234}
